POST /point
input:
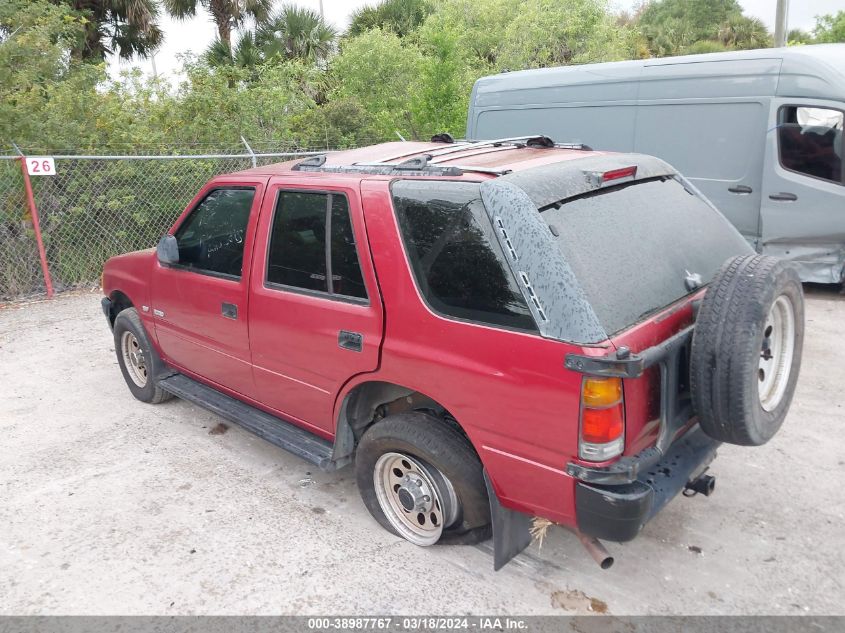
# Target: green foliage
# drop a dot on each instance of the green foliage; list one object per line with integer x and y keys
{"x": 830, "y": 28}
{"x": 401, "y": 17}
{"x": 124, "y": 27}
{"x": 227, "y": 14}
{"x": 682, "y": 27}
{"x": 296, "y": 33}
{"x": 796, "y": 37}
{"x": 381, "y": 74}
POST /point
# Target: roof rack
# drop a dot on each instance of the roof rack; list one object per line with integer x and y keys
{"x": 417, "y": 166}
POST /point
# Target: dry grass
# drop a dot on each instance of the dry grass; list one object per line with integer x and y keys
{"x": 539, "y": 528}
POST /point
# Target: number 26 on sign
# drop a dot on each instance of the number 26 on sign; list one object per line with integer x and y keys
{"x": 40, "y": 166}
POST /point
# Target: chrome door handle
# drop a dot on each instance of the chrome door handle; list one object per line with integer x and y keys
{"x": 229, "y": 311}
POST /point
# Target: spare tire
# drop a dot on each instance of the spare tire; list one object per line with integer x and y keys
{"x": 746, "y": 349}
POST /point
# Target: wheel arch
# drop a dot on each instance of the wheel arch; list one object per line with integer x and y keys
{"x": 120, "y": 301}
{"x": 367, "y": 402}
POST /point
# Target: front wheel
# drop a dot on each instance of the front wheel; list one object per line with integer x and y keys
{"x": 137, "y": 359}
{"x": 421, "y": 479}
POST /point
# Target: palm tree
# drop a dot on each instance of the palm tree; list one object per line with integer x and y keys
{"x": 227, "y": 14}
{"x": 398, "y": 16}
{"x": 125, "y": 27}
{"x": 296, "y": 33}
{"x": 245, "y": 54}
{"x": 742, "y": 32}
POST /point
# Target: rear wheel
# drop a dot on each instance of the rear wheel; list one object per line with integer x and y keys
{"x": 422, "y": 480}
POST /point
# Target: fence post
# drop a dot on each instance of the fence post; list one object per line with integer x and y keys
{"x": 251, "y": 153}
{"x": 36, "y": 225}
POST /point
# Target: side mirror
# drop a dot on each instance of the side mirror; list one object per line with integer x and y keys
{"x": 167, "y": 250}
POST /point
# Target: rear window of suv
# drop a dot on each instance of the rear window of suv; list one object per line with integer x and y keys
{"x": 632, "y": 246}
{"x": 455, "y": 257}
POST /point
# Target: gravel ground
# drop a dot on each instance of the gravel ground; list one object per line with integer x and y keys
{"x": 111, "y": 506}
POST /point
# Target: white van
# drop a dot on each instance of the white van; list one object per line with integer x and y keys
{"x": 758, "y": 132}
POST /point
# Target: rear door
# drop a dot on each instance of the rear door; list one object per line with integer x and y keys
{"x": 200, "y": 306}
{"x": 315, "y": 309}
{"x": 803, "y": 207}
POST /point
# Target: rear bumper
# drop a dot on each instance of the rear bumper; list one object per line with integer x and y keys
{"x": 617, "y": 512}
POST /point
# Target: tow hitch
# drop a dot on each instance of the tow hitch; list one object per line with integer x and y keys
{"x": 705, "y": 485}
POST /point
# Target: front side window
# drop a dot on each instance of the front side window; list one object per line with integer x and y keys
{"x": 211, "y": 239}
{"x": 810, "y": 141}
{"x": 301, "y": 256}
{"x": 454, "y": 254}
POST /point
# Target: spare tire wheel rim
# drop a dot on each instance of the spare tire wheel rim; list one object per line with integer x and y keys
{"x": 776, "y": 353}
{"x": 133, "y": 358}
{"x": 418, "y": 500}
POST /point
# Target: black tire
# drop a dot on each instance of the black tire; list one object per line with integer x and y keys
{"x": 439, "y": 446}
{"x": 727, "y": 345}
{"x": 128, "y": 321}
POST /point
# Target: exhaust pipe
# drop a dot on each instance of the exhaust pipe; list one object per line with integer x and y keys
{"x": 596, "y": 550}
{"x": 704, "y": 485}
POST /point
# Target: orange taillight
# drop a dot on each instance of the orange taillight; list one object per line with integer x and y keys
{"x": 602, "y": 419}
{"x": 601, "y": 392}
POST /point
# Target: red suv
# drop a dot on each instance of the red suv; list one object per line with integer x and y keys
{"x": 490, "y": 331}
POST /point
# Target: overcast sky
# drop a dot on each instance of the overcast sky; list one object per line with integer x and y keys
{"x": 195, "y": 35}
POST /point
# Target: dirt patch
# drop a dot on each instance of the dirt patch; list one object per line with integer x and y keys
{"x": 578, "y": 601}
{"x": 219, "y": 429}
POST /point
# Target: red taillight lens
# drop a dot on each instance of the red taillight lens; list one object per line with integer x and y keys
{"x": 600, "y": 426}
{"x": 602, "y": 419}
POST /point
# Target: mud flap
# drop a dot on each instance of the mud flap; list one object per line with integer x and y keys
{"x": 511, "y": 529}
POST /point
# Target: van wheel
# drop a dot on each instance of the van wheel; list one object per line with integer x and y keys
{"x": 138, "y": 361}
{"x": 422, "y": 480}
{"x": 746, "y": 350}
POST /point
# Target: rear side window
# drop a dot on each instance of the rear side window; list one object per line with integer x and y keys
{"x": 312, "y": 246}
{"x": 631, "y": 247}
{"x": 810, "y": 141}
{"x": 456, "y": 260}
{"x": 211, "y": 239}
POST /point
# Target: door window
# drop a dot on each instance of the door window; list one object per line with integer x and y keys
{"x": 301, "y": 257}
{"x": 810, "y": 141}
{"x": 211, "y": 239}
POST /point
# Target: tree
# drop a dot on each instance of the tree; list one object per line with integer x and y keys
{"x": 796, "y": 37}
{"x": 125, "y": 27}
{"x": 381, "y": 74}
{"x": 830, "y": 28}
{"x": 399, "y": 16}
{"x": 227, "y": 14}
{"x": 741, "y": 32}
{"x": 673, "y": 25}
{"x": 534, "y": 33}
{"x": 296, "y": 33}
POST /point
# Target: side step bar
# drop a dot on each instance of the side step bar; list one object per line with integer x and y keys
{"x": 283, "y": 434}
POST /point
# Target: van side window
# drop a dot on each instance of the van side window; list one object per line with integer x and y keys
{"x": 211, "y": 239}
{"x": 298, "y": 256}
{"x": 810, "y": 141}
{"x": 457, "y": 262}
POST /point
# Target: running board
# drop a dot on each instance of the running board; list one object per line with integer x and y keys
{"x": 268, "y": 427}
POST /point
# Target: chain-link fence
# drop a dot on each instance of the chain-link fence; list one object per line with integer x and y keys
{"x": 95, "y": 207}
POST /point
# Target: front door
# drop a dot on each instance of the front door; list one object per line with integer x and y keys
{"x": 200, "y": 306}
{"x": 803, "y": 206}
{"x": 316, "y": 313}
